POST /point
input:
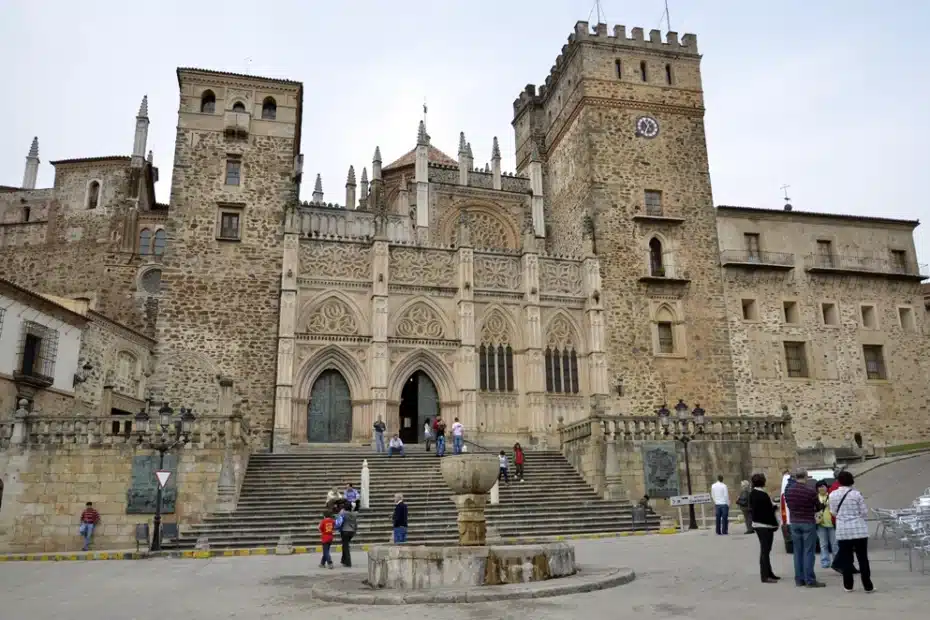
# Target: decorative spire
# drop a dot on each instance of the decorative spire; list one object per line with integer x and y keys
{"x": 34, "y": 148}
{"x": 32, "y": 166}
{"x": 468, "y": 151}
{"x": 364, "y": 176}
{"x": 144, "y": 107}
{"x": 377, "y": 157}
{"x": 422, "y": 138}
{"x": 350, "y": 180}
{"x": 495, "y": 149}
{"x": 462, "y": 146}
{"x": 318, "y": 189}
{"x": 487, "y": 167}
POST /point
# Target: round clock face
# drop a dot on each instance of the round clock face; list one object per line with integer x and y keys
{"x": 647, "y": 127}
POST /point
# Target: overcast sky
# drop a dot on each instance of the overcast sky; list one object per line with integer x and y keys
{"x": 830, "y": 97}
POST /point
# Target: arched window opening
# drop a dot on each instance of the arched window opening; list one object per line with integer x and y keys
{"x": 665, "y": 331}
{"x": 668, "y": 74}
{"x": 93, "y": 194}
{"x": 619, "y": 65}
{"x": 27, "y": 213}
{"x": 238, "y": 107}
{"x": 495, "y": 368}
{"x": 145, "y": 242}
{"x": 208, "y": 102}
{"x": 656, "y": 264}
{"x": 642, "y": 70}
{"x": 269, "y": 109}
{"x": 161, "y": 239}
{"x": 561, "y": 370}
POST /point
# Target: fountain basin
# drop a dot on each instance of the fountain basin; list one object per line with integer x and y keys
{"x": 471, "y": 473}
{"x": 403, "y": 567}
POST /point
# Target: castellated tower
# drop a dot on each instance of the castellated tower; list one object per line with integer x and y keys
{"x": 617, "y": 136}
{"x": 235, "y": 174}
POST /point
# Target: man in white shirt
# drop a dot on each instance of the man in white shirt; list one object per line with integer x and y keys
{"x": 458, "y": 436}
{"x": 721, "y": 496}
{"x": 396, "y": 446}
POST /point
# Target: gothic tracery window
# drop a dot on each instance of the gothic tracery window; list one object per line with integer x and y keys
{"x": 561, "y": 358}
{"x": 495, "y": 355}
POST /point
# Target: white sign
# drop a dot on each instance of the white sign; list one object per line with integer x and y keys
{"x": 162, "y": 476}
{"x": 688, "y": 500}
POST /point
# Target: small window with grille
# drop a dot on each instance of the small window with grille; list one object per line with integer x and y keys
{"x": 38, "y": 348}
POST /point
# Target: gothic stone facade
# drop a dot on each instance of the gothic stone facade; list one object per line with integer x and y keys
{"x": 516, "y": 302}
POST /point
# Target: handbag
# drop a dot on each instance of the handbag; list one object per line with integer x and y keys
{"x": 838, "y": 506}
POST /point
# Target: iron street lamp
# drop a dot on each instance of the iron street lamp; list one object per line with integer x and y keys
{"x": 684, "y": 436}
{"x": 181, "y": 428}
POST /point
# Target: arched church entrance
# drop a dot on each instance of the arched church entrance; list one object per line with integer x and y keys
{"x": 329, "y": 412}
{"x": 419, "y": 400}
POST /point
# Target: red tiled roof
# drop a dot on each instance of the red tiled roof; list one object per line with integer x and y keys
{"x": 435, "y": 157}
{"x": 81, "y": 160}
{"x": 238, "y": 75}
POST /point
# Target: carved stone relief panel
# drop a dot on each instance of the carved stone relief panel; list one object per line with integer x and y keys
{"x": 560, "y": 277}
{"x": 498, "y": 272}
{"x": 420, "y": 321}
{"x": 339, "y": 261}
{"x": 495, "y": 329}
{"x": 422, "y": 267}
{"x": 560, "y": 333}
{"x": 333, "y": 316}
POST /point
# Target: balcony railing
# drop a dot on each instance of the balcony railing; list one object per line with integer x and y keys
{"x": 757, "y": 260}
{"x": 665, "y": 272}
{"x": 237, "y": 123}
{"x": 863, "y": 265}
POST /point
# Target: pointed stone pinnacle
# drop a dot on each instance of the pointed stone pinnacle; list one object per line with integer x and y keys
{"x": 351, "y": 178}
{"x": 377, "y": 157}
{"x": 318, "y": 186}
{"x": 364, "y": 175}
{"x": 151, "y": 157}
{"x": 34, "y": 148}
{"x": 495, "y": 150}
{"x": 487, "y": 167}
{"x": 461, "y": 142}
{"x": 144, "y": 107}
{"x": 468, "y": 151}
{"x": 422, "y": 138}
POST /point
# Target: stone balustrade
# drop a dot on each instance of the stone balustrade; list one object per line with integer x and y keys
{"x": 333, "y": 222}
{"x": 42, "y": 430}
{"x": 644, "y": 428}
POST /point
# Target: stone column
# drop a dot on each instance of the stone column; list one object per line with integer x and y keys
{"x": 465, "y": 360}
{"x": 142, "y": 133}
{"x": 378, "y": 358}
{"x": 533, "y": 371}
{"x": 422, "y": 180}
{"x": 365, "y": 500}
{"x": 473, "y": 529}
{"x": 495, "y": 165}
{"x": 287, "y": 319}
{"x": 613, "y": 478}
{"x": 536, "y": 187}
{"x": 594, "y": 320}
{"x": 32, "y": 165}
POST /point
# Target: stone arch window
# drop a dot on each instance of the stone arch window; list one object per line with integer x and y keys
{"x": 93, "y": 194}
{"x": 238, "y": 107}
{"x": 656, "y": 258}
{"x": 208, "y": 102}
{"x": 665, "y": 331}
{"x": 127, "y": 373}
{"x": 561, "y": 358}
{"x": 150, "y": 282}
{"x": 495, "y": 355}
{"x": 642, "y": 71}
{"x": 145, "y": 242}
{"x": 159, "y": 242}
{"x": 668, "y": 73}
{"x": 269, "y": 109}
{"x": 618, "y": 64}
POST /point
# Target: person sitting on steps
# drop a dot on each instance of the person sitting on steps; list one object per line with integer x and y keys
{"x": 396, "y": 446}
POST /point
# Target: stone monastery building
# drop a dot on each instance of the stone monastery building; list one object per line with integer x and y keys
{"x": 599, "y": 274}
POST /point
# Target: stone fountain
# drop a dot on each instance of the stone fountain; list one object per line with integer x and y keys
{"x": 472, "y": 562}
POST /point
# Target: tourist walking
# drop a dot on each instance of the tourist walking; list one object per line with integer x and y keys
{"x": 826, "y": 532}
{"x": 399, "y": 519}
{"x": 458, "y": 436}
{"x": 427, "y": 433}
{"x": 347, "y": 524}
{"x": 743, "y": 502}
{"x": 518, "y": 460}
{"x": 502, "y": 472}
{"x": 439, "y": 429}
{"x": 351, "y": 496}
{"x": 764, "y": 524}
{"x": 721, "y": 496}
{"x": 89, "y": 520}
{"x": 396, "y": 446}
{"x": 852, "y": 531}
{"x": 327, "y": 527}
{"x": 379, "y": 435}
{"x": 801, "y": 499}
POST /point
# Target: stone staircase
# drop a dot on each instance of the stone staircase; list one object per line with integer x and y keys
{"x": 285, "y": 494}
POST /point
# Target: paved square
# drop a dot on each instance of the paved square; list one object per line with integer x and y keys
{"x": 693, "y": 575}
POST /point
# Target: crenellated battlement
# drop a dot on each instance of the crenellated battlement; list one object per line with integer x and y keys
{"x": 687, "y": 45}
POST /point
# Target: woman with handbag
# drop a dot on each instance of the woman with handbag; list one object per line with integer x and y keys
{"x": 764, "y": 524}
{"x": 852, "y": 531}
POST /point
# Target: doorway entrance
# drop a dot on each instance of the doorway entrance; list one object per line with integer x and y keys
{"x": 329, "y": 413}
{"x": 419, "y": 400}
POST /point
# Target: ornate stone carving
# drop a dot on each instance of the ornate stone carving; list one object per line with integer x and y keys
{"x": 560, "y": 333}
{"x": 486, "y": 230}
{"x": 498, "y": 272}
{"x": 422, "y": 267}
{"x": 342, "y": 261}
{"x": 420, "y": 321}
{"x": 560, "y": 277}
{"x": 495, "y": 329}
{"x": 332, "y": 317}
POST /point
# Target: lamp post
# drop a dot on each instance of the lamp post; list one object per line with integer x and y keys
{"x": 180, "y": 434}
{"x": 684, "y": 436}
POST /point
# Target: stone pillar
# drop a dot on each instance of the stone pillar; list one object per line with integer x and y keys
{"x": 19, "y": 424}
{"x": 350, "y": 188}
{"x": 533, "y": 371}
{"x": 365, "y": 500}
{"x": 142, "y": 133}
{"x": 536, "y": 187}
{"x": 613, "y": 478}
{"x": 287, "y": 319}
{"x": 465, "y": 370}
{"x": 32, "y": 165}
{"x": 473, "y": 529}
{"x": 378, "y": 358}
{"x": 594, "y": 321}
{"x": 422, "y": 180}
{"x": 226, "y": 486}
{"x": 496, "y": 493}
{"x": 495, "y": 165}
